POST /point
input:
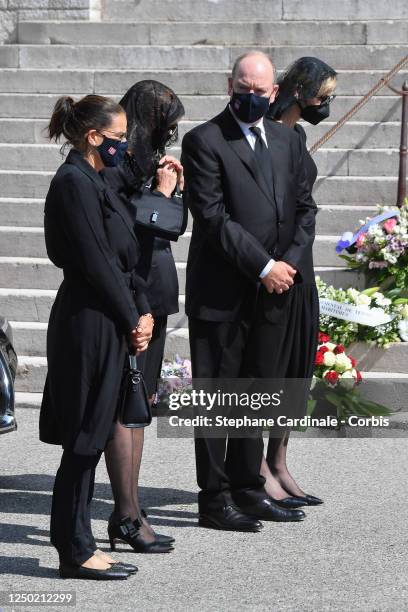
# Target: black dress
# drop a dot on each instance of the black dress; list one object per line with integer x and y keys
{"x": 290, "y": 321}
{"x": 156, "y": 266}
{"x": 89, "y": 234}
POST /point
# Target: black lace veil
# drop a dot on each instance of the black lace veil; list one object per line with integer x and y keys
{"x": 152, "y": 111}
{"x": 304, "y": 77}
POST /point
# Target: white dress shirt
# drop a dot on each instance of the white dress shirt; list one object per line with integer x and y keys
{"x": 251, "y": 139}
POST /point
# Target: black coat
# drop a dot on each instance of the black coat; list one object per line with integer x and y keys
{"x": 89, "y": 234}
{"x": 241, "y": 221}
{"x": 156, "y": 264}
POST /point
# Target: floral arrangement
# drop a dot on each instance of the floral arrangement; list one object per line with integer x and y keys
{"x": 175, "y": 376}
{"x": 335, "y": 382}
{"x": 332, "y": 364}
{"x": 347, "y": 332}
{"x": 382, "y": 250}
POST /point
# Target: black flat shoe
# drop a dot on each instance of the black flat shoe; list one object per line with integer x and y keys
{"x": 290, "y": 503}
{"x": 310, "y": 500}
{"x": 88, "y": 573}
{"x": 267, "y": 510}
{"x": 229, "y": 518}
{"x": 129, "y": 531}
{"x": 160, "y": 537}
{"x": 127, "y": 567}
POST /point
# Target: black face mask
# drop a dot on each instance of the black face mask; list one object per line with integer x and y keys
{"x": 315, "y": 114}
{"x": 249, "y": 107}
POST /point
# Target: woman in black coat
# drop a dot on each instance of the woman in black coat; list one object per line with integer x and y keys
{"x": 153, "y": 111}
{"x": 305, "y": 91}
{"x": 100, "y": 310}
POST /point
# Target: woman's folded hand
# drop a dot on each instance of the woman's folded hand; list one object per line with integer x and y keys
{"x": 141, "y": 336}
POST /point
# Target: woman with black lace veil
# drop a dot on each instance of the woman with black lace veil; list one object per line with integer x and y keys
{"x": 153, "y": 111}
{"x": 305, "y": 92}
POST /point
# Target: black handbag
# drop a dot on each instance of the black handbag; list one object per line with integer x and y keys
{"x": 134, "y": 407}
{"x": 162, "y": 216}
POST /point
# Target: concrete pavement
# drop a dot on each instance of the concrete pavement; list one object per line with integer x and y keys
{"x": 349, "y": 554}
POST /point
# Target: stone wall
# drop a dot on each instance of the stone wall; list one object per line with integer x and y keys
{"x": 13, "y": 11}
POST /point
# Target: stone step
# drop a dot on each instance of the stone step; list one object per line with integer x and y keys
{"x": 29, "y": 242}
{"x": 202, "y": 82}
{"x": 33, "y": 305}
{"x": 252, "y": 10}
{"x": 355, "y": 134}
{"x": 341, "y": 162}
{"x": 199, "y": 108}
{"x": 330, "y": 220}
{"x": 32, "y": 369}
{"x": 184, "y": 57}
{"x": 228, "y": 32}
{"x": 328, "y": 190}
{"x": 29, "y": 273}
{"x": 22, "y": 211}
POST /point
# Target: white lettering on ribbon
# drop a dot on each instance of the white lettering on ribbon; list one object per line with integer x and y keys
{"x": 356, "y": 314}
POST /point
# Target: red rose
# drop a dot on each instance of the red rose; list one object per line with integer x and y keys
{"x": 323, "y": 337}
{"x": 339, "y": 349}
{"x": 319, "y": 359}
{"x": 353, "y": 361}
{"x": 323, "y": 350}
{"x": 332, "y": 377}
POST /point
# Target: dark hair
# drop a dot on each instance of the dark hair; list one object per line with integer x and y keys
{"x": 74, "y": 119}
{"x": 301, "y": 81}
{"x": 152, "y": 109}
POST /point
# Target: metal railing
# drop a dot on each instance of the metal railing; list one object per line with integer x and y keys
{"x": 402, "y": 187}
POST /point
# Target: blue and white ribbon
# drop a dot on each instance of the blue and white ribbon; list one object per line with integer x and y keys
{"x": 348, "y": 238}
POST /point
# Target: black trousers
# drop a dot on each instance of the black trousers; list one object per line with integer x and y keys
{"x": 70, "y": 528}
{"x": 226, "y": 467}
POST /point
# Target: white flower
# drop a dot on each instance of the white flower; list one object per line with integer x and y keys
{"x": 353, "y": 293}
{"x": 342, "y": 363}
{"x": 381, "y": 299}
{"x": 404, "y": 311}
{"x": 363, "y": 300}
{"x": 329, "y": 359}
{"x": 403, "y": 329}
{"x": 331, "y": 346}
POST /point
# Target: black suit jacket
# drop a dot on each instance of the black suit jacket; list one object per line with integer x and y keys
{"x": 241, "y": 221}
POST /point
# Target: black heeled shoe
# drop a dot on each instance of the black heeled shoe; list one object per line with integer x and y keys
{"x": 160, "y": 537}
{"x": 291, "y": 503}
{"x": 129, "y": 532}
{"x": 309, "y": 500}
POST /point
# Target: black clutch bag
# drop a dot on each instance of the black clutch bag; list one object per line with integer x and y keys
{"x": 162, "y": 216}
{"x": 134, "y": 407}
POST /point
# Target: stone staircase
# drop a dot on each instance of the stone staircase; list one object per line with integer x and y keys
{"x": 190, "y": 45}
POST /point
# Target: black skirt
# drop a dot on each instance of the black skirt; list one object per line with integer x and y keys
{"x": 150, "y": 361}
{"x": 284, "y": 338}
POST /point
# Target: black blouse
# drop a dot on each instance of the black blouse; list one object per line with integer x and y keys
{"x": 310, "y": 166}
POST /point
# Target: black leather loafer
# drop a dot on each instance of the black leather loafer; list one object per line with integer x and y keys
{"x": 267, "y": 510}
{"x": 88, "y": 573}
{"x": 229, "y": 518}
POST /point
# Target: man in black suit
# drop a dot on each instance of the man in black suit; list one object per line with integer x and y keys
{"x": 254, "y": 221}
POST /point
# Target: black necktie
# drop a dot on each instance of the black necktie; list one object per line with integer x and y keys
{"x": 262, "y": 154}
